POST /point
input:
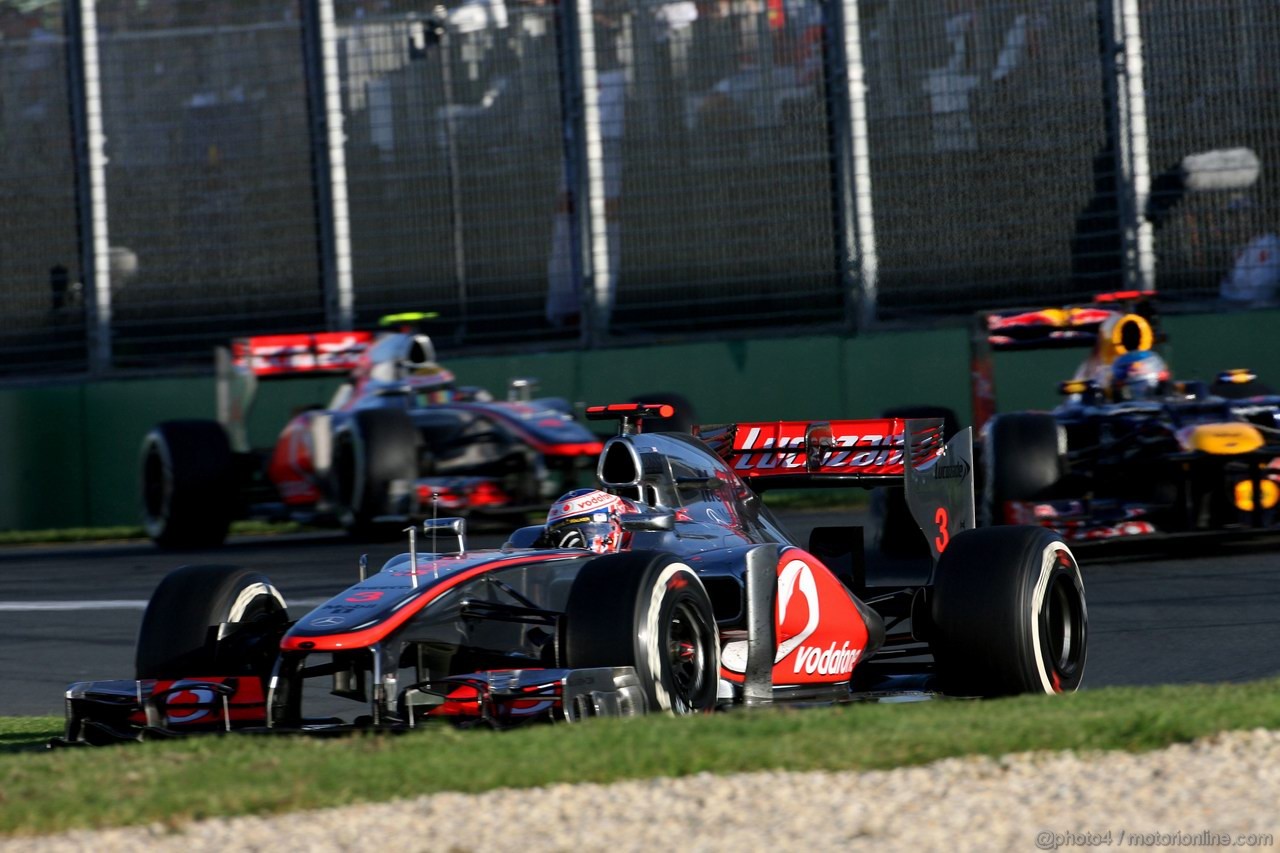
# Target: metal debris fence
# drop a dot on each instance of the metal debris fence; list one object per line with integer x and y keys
{"x": 176, "y": 172}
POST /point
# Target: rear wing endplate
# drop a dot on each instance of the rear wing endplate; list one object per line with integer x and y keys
{"x": 938, "y": 484}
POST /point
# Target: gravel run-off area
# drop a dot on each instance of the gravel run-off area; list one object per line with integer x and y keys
{"x": 1219, "y": 792}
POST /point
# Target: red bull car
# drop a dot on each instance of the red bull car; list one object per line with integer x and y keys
{"x": 1131, "y": 451}
{"x": 669, "y": 587}
{"x": 399, "y": 440}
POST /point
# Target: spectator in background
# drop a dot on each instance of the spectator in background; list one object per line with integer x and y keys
{"x": 1254, "y": 277}
{"x": 1097, "y": 244}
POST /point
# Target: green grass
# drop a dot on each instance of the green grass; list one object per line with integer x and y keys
{"x": 172, "y": 782}
{"x": 125, "y": 532}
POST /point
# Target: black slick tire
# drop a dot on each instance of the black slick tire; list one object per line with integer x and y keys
{"x": 649, "y": 610}
{"x": 210, "y": 621}
{"x": 1009, "y": 614}
{"x": 1022, "y": 460}
{"x": 188, "y": 484}
{"x": 377, "y": 448}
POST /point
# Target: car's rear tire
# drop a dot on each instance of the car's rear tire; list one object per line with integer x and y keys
{"x": 1008, "y": 614}
{"x": 188, "y": 484}
{"x": 210, "y": 621}
{"x": 649, "y": 610}
{"x": 898, "y": 535}
{"x": 377, "y": 449}
{"x": 1023, "y": 460}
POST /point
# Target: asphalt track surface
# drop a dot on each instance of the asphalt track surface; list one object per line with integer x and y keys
{"x": 71, "y": 613}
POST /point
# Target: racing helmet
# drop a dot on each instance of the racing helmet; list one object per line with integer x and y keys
{"x": 588, "y": 518}
{"x": 1140, "y": 375}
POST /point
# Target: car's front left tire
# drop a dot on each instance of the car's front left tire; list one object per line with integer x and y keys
{"x": 649, "y": 610}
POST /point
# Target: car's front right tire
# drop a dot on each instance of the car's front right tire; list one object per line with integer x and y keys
{"x": 207, "y": 621}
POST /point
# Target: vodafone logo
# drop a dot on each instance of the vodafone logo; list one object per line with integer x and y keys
{"x": 796, "y": 576}
{"x": 586, "y": 503}
{"x": 188, "y": 696}
{"x": 796, "y": 584}
{"x": 799, "y": 616}
{"x": 831, "y": 661}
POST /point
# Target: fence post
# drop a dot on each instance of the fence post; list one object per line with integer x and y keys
{"x": 1125, "y": 88}
{"x": 445, "y": 49}
{"x": 85, "y": 77}
{"x": 584, "y": 167}
{"x": 328, "y": 147}
{"x": 857, "y": 259}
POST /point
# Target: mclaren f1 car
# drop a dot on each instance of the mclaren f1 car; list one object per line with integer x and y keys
{"x": 670, "y": 587}
{"x": 399, "y": 439}
{"x": 1131, "y": 451}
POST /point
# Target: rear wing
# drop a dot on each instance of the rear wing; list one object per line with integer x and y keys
{"x": 238, "y": 368}
{"x": 937, "y": 476}
{"x": 794, "y": 454}
{"x": 306, "y": 354}
{"x": 1110, "y": 325}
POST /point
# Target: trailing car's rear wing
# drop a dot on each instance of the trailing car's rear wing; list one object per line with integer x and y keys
{"x": 238, "y": 368}
{"x": 306, "y": 354}
{"x": 937, "y": 477}
{"x": 1110, "y": 325}
{"x": 1123, "y": 319}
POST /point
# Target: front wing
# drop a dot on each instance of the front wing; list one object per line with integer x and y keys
{"x": 102, "y": 712}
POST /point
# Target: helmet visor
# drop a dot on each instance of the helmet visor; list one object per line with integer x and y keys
{"x": 596, "y": 532}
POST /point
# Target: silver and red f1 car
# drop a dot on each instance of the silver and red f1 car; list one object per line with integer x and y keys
{"x": 398, "y": 440}
{"x": 670, "y": 587}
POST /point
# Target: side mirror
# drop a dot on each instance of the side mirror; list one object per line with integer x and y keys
{"x": 450, "y": 527}
{"x": 1076, "y": 386}
{"x": 1087, "y": 390}
{"x": 521, "y": 389}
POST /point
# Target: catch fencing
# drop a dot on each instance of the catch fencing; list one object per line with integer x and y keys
{"x": 596, "y": 172}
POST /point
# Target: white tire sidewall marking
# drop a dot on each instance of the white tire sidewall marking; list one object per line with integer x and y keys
{"x": 1048, "y": 562}
{"x": 654, "y": 654}
{"x": 243, "y": 599}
